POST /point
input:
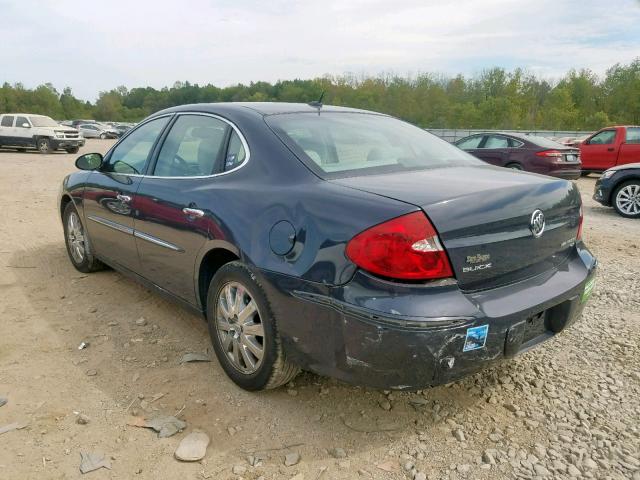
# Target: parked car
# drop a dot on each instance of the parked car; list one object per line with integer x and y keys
{"x": 24, "y": 130}
{"x": 331, "y": 239}
{"x": 94, "y": 130}
{"x": 609, "y": 147}
{"x": 76, "y": 123}
{"x": 122, "y": 129}
{"x": 524, "y": 152}
{"x": 619, "y": 187}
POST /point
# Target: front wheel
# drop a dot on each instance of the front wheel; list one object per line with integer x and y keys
{"x": 103, "y": 136}
{"x": 244, "y": 331}
{"x": 73, "y": 150}
{"x": 626, "y": 199}
{"x": 77, "y": 242}
{"x": 43, "y": 145}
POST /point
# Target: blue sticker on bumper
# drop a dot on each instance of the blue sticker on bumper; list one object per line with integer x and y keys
{"x": 476, "y": 338}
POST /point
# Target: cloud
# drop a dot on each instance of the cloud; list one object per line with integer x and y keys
{"x": 99, "y": 45}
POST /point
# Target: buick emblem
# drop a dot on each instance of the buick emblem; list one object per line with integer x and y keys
{"x": 537, "y": 223}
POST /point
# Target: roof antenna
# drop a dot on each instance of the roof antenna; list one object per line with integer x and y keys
{"x": 317, "y": 103}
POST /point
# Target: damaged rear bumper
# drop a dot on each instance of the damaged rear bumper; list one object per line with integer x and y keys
{"x": 385, "y": 335}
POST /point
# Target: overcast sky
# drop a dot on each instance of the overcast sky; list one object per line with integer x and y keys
{"x": 97, "y": 45}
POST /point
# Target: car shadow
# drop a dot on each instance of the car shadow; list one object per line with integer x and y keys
{"x": 134, "y": 358}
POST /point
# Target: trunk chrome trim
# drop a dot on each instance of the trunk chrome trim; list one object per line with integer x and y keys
{"x": 109, "y": 223}
{"x": 157, "y": 241}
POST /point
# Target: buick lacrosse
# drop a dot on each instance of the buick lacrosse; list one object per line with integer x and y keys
{"x": 335, "y": 240}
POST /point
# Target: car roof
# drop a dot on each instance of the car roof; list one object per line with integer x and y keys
{"x": 26, "y": 114}
{"x": 264, "y": 108}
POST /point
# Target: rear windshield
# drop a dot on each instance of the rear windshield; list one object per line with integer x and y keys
{"x": 43, "y": 122}
{"x": 543, "y": 142}
{"x": 353, "y": 144}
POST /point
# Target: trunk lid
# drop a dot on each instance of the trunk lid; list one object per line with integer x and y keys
{"x": 483, "y": 215}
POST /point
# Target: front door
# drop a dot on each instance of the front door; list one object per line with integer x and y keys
{"x": 22, "y": 132}
{"x": 494, "y": 150}
{"x": 173, "y": 220}
{"x": 109, "y": 193}
{"x": 599, "y": 152}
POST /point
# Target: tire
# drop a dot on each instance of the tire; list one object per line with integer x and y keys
{"x": 82, "y": 257}
{"x": 514, "y": 166}
{"x": 21, "y": 150}
{"x": 584, "y": 174}
{"x": 229, "y": 335}
{"x": 43, "y": 145}
{"x": 73, "y": 150}
{"x": 626, "y": 199}
{"x": 103, "y": 136}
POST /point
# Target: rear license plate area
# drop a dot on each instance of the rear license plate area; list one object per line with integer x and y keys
{"x": 534, "y": 326}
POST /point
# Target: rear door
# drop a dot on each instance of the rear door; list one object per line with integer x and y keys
{"x": 6, "y": 130}
{"x": 109, "y": 194}
{"x": 630, "y": 150}
{"x": 494, "y": 150}
{"x": 599, "y": 152}
{"x": 174, "y": 204}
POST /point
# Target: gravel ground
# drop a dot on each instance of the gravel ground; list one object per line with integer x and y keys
{"x": 570, "y": 409}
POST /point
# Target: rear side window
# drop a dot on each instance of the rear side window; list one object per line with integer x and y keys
{"x": 20, "y": 121}
{"x": 633, "y": 135}
{"x": 192, "y": 148}
{"x": 130, "y": 155}
{"x": 7, "y": 121}
{"x": 470, "y": 143}
{"x": 603, "y": 138}
{"x": 236, "y": 153}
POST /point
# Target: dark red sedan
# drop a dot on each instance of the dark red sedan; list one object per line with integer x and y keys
{"x": 524, "y": 152}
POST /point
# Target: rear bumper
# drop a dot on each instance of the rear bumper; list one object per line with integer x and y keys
{"x": 602, "y": 192}
{"x": 567, "y": 173}
{"x": 373, "y": 333}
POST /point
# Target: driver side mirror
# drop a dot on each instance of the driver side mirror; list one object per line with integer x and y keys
{"x": 26, "y": 125}
{"x": 89, "y": 161}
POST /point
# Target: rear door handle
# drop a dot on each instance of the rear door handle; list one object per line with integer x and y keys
{"x": 123, "y": 198}
{"x": 610, "y": 149}
{"x": 193, "y": 212}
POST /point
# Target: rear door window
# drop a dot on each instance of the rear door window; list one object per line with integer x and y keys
{"x": 496, "y": 141}
{"x": 633, "y": 135}
{"x": 7, "y": 121}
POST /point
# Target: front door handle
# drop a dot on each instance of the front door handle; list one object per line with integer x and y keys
{"x": 610, "y": 149}
{"x": 123, "y": 198}
{"x": 193, "y": 212}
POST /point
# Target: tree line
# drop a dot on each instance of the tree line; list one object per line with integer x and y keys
{"x": 495, "y": 98}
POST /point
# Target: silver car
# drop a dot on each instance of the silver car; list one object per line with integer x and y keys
{"x": 92, "y": 130}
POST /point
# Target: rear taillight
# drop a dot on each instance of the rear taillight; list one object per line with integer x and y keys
{"x": 550, "y": 153}
{"x": 405, "y": 247}
{"x": 580, "y": 221}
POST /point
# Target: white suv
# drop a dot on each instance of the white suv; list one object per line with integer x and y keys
{"x": 23, "y": 130}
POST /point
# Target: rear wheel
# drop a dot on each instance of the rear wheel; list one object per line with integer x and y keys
{"x": 77, "y": 242}
{"x": 514, "y": 166}
{"x": 73, "y": 150}
{"x": 243, "y": 330}
{"x": 626, "y": 199}
{"x": 43, "y": 145}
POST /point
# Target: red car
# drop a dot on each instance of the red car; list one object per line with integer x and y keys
{"x": 610, "y": 147}
{"x": 524, "y": 152}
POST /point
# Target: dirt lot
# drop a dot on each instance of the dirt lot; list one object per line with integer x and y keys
{"x": 568, "y": 409}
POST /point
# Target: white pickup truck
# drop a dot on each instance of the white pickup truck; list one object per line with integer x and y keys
{"x": 23, "y": 130}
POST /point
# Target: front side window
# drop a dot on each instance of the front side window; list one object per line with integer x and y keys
{"x": 192, "y": 148}
{"x": 633, "y": 135}
{"x": 603, "y": 138}
{"x": 21, "y": 121}
{"x": 345, "y": 144}
{"x": 470, "y": 143}
{"x": 130, "y": 155}
{"x": 7, "y": 121}
{"x": 496, "y": 141}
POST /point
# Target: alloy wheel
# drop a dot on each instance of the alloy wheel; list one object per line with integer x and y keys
{"x": 239, "y": 328}
{"x": 628, "y": 199}
{"x": 75, "y": 237}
